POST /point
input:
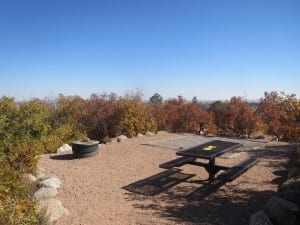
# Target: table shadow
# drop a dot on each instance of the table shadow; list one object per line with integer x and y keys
{"x": 158, "y": 183}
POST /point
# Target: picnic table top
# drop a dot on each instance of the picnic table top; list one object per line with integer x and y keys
{"x": 210, "y": 149}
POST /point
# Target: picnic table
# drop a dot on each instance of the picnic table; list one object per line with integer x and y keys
{"x": 208, "y": 151}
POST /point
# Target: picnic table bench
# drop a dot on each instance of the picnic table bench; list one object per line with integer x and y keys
{"x": 210, "y": 151}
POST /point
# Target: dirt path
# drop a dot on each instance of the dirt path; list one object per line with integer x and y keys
{"x": 103, "y": 189}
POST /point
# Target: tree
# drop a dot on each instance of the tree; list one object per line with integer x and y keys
{"x": 216, "y": 107}
{"x": 195, "y": 100}
{"x": 156, "y": 99}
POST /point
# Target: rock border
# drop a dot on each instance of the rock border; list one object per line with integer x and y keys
{"x": 44, "y": 189}
{"x": 283, "y": 208}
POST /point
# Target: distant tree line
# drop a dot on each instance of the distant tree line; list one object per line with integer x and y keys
{"x": 275, "y": 114}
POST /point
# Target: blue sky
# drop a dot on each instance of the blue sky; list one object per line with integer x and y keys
{"x": 204, "y": 48}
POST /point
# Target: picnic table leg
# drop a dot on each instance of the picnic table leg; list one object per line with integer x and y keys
{"x": 211, "y": 169}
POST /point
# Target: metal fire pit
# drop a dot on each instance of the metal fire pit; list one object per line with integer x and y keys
{"x": 84, "y": 149}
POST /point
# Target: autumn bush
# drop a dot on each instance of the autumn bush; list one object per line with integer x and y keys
{"x": 98, "y": 117}
{"x": 159, "y": 114}
{"x": 182, "y": 116}
{"x": 236, "y": 117}
{"x": 133, "y": 116}
{"x": 281, "y": 115}
{"x": 109, "y": 115}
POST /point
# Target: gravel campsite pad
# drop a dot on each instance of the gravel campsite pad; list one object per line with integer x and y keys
{"x": 123, "y": 185}
{"x": 190, "y": 140}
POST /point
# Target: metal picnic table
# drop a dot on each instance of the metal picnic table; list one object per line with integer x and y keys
{"x": 208, "y": 151}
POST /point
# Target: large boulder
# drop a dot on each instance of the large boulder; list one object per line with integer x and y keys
{"x": 52, "y": 209}
{"x": 294, "y": 172}
{"x": 260, "y": 218}
{"x": 290, "y": 190}
{"x": 45, "y": 193}
{"x": 281, "y": 211}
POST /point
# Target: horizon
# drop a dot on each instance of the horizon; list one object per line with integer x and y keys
{"x": 211, "y": 50}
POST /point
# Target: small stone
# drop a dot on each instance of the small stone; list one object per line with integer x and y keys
{"x": 114, "y": 140}
{"x": 40, "y": 173}
{"x": 139, "y": 135}
{"x": 45, "y": 193}
{"x": 29, "y": 181}
{"x": 64, "y": 148}
{"x": 149, "y": 134}
{"x": 121, "y": 138}
{"x": 49, "y": 181}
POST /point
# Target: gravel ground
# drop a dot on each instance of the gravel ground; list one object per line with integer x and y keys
{"x": 124, "y": 185}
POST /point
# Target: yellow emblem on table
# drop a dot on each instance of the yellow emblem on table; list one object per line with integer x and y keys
{"x": 209, "y": 147}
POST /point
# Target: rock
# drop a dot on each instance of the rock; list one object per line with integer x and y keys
{"x": 291, "y": 184}
{"x": 210, "y": 135}
{"x": 52, "y": 209}
{"x": 290, "y": 190}
{"x": 40, "y": 172}
{"x": 114, "y": 140}
{"x": 281, "y": 211}
{"x": 45, "y": 193}
{"x": 121, "y": 138}
{"x": 148, "y": 133}
{"x": 64, "y": 148}
{"x": 260, "y": 218}
{"x": 139, "y": 135}
{"x": 294, "y": 173}
{"x": 260, "y": 137}
{"x": 29, "y": 181}
{"x": 39, "y": 175}
{"x": 49, "y": 181}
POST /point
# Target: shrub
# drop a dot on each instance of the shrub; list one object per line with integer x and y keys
{"x": 187, "y": 117}
{"x": 159, "y": 114}
{"x": 66, "y": 121}
{"x": 133, "y": 117}
{"x": 16, "y": 205}
{"x": 281, "y": 115}
{"x": 192, "y": 118}
{"x": 99, "y": 116}
{"x": 21, "y": 127}
{"x": 237, "y": 118}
